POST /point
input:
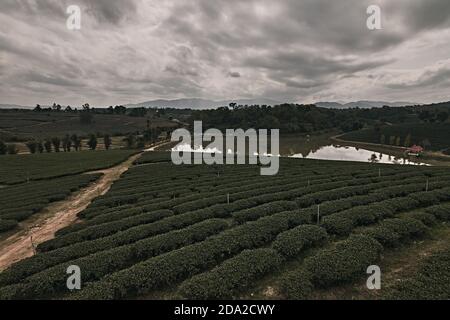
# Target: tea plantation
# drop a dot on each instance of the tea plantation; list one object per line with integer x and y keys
{"x": 23, "y": 168}
{"x": 209, "y": 232}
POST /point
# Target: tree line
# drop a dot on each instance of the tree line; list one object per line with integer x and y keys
{"x": 56, "y": 144}
{"x": 74, "y": 142}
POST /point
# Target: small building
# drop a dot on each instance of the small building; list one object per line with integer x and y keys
{"x": 415, "y": 151}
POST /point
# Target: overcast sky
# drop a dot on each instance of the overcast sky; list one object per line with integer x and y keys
{"x": 288, "y": 50}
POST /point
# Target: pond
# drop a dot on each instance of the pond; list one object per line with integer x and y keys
{"x": 345, "y": 153}
{"x": 319, "y": 147}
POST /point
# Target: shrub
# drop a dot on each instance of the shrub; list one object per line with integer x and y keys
{"x": 183, "y": 263}
{"x": 441, "y": 212}
{"x": 347, "y": 261}
{"x": 229, "y": 278}
{"x": 392, "y": 232}
{"x": 431, "y": 282}
{"x": 292, "y": 242}
{"x": 426, "y": 218}
{"x": 137, "y": 232}
{"x": 46, "y": 272}
{"x": 296, "y": 285}
{"x": 6, "y": 225}
{"x": 263, "y": 210}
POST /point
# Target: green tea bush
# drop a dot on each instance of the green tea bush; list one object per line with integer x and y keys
{"x": 6, "y": 225}
{"x": 347, "y": 261}
{"x": 296, "y": 284}
{"x": 232, "y": 276}
{"x": 393, "y": 232}
{"x": 292, "y": 242}
{"x": 431, "y": 282}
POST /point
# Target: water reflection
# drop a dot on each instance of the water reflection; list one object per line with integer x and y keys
{"x": 315, "y": 147}
{"x": 344, "y": 153}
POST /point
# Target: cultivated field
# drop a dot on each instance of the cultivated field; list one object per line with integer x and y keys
{"x": 208, "y": 232}
{"x": 26, "y": 124}
{"x": 24, "y": 168}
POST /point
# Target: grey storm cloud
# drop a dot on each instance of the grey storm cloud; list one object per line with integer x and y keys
{"x": 112, "y": 11}
{"x": 434, "y": 76}
{"x": 234, "y": 74}
{"x": 292, "y": 50}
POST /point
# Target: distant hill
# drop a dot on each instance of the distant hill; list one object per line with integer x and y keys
{"x": 201, "y": 103}
{"x": 14, "y": 106}
{"x": 363, "y": 104}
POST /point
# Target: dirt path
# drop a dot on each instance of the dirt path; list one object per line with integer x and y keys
{"x": 56, "y": 216}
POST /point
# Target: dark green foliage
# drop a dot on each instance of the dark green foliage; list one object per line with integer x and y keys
{"x": 137, "y": 232}
{"x": 6, "y": 225}
{"x": 107, "y": 141}
{"x": 393, "y": 232}
{"x": 264, "y": 210}
{"x": 296, "y": 284}
{"x": 347, "y": 261}
{"x": 16, "y": 169}
{"x": 32, "y": 146}
{"x": 183, "y": 263}
{"x": 158, "y": 227}
{"x": 19, "y": 202}
{"x": 431, "y": 282}
{"x": 426, "y": 218}
{"x": 12, "y": 149}
{"x": 441, "y": 212}
{"x": 92, "y": 142}
{"x": 232, "y": 276}
{"x": 292, "y": 242}
{"x": 3, "y": 148}
{"x": 432, "y": 136}
{"x": 49, "y": 269}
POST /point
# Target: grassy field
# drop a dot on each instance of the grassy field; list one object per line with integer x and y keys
{"x": 22, "y": 168}
{"x": 26, "y": 124}
{"x": 198, "y": 232}
{"x": 432, "y": 136}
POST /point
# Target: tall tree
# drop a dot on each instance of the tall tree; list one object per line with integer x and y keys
{"x": 130, "y": 140}
{"x": 107, "y": 141}
{"x": 408, "y": 140}
{"x": 67, "y": 143}
{"x": 48, "y": 146}
{"x": 76, "y": 141}
{"x": 92, "y": 142}
{"x": 32, "y": 146}
{"x": 140, "y": 143}
{"x": 40, "y": 147}
{"x": 3, "y": 148}
{"x": 12, "y": 149}
{"x": 56, "y": 144}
